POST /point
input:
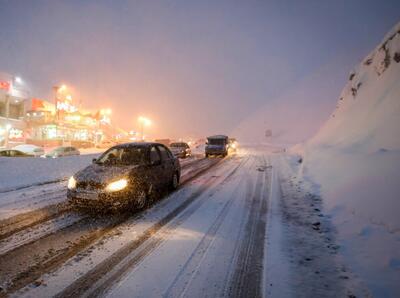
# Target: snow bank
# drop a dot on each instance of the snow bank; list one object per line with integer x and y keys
{"x": 354, "y": 161}
{"x": 20, "y": 172}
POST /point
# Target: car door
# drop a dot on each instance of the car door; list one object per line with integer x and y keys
{"x": 168, "y": 164}
{"x": 67, "y": 151}
{"x": 156, "y": 174}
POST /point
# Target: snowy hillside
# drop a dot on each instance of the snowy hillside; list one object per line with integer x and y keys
{"x": 367, "y": 113}
{"x": 354, "y": 161}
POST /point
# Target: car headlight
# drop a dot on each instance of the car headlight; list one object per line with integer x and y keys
{"x": 117, "y": 185}
{"x": 71, "y": 183}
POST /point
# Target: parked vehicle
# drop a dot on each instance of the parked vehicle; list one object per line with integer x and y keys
{"x": 29, "y": 149}
{"x": 181, "y": 149}
{"x": 125, "y": 176}
{"x": 13, "y": 153}
{"x": 61, "y": 152}
{"x": 217, "y": 145}
{"x": 165, "y": 142}
{"x": 82, "y": 144}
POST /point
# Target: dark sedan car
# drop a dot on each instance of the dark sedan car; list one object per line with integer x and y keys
{"x": 13, "y": 153}
{"x": 181, "y": 149}
{"x": 126, "y": 175}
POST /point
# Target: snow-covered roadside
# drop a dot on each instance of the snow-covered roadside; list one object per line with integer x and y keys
{"x": 353, "y": 163}
{"x": 17, "y": 173}
{"x": 361, "y": 193}
{"x": 301, "y": 248}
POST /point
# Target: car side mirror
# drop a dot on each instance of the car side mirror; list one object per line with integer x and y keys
{"x": 94, "y": 160}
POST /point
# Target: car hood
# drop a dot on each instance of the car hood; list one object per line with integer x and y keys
{"x": 103, "y": 174}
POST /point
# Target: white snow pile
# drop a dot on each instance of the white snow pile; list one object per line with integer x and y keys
{"x": 354, "y": 162}
{"x": 20, "y": 172}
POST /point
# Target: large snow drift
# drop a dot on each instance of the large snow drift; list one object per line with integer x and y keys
{"x": 354, "y": 160}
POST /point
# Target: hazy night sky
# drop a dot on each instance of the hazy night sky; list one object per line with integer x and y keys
{"x": 194, "y": 67}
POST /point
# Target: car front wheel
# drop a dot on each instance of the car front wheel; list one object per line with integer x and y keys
{"x": 141, "y": 198}
{"x": 175, "y": 181}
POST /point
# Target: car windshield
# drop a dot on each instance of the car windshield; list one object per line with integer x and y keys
{"x": 123, "y": 156}
{"x": 219, "y": 142}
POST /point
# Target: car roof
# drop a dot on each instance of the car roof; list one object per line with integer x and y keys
{"x": 137, "y": 144}
{"x": 217, "y": 137}
{"x": 26, "y": 146}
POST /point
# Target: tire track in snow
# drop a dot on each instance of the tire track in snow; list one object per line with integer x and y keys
{"x": 80, "y": 236}
{"x": 247, "y": 277}
{"x": 29, "y": 219}
{"x": 98, "y": 280}
{"x": 179, "y": 286}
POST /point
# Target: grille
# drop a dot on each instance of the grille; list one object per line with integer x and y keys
{"x": 89, "y": 185}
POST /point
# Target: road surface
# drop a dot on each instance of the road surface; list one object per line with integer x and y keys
{"x": 220, "y": 234}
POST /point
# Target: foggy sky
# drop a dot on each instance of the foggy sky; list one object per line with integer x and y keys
{"x": 193, "y": 67}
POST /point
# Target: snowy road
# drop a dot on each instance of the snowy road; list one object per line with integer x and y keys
{"x": 219, "y": 234}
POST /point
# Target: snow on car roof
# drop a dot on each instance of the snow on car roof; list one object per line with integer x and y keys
{"x": 141, "y": 144}
{"x": 218, "y": 137}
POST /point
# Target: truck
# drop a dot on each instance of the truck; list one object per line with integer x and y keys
{"x": 217, "y": 145}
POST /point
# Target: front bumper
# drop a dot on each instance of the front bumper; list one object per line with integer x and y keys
{"x": 182, "y": 154}
{"x": 216, "y": 151}
{"x": 99, "y": 200}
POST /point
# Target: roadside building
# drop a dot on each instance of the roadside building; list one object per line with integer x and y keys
{"x": 13, "y": 103}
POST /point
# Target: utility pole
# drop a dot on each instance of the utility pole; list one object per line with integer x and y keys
{"x": 7, "y": 136}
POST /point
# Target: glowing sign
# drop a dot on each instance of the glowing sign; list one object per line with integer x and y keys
{"x": 5, "y": 85}
{"x": 65, "y": 106}
{"x": 16, "y": 133}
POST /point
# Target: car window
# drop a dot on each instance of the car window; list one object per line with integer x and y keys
{"x": 219, "y": 142}
{"x": 154, "y": 155}
{"x": 165, "y": 154}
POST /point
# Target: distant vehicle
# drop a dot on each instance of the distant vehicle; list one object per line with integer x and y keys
{"x": 82, "y": 144}
{"x": 61, "y": 152}
{"x": 124, "y": 176}
{"x": 105, "y": 144}
{"x": 165, "y": 142}
{"x": 30, "y": 149}
{"x": 13, "y": 153}
{"x": 181, "y": 149}
{"x": 217, "y": 145}
{"x": 232, "y": 145}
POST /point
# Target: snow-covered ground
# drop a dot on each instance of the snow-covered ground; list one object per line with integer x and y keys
{"x": 21, "y": 172}
{"x": 353, "y": 162}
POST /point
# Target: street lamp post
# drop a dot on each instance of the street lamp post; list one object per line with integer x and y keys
{"x": 143, "y": 122}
